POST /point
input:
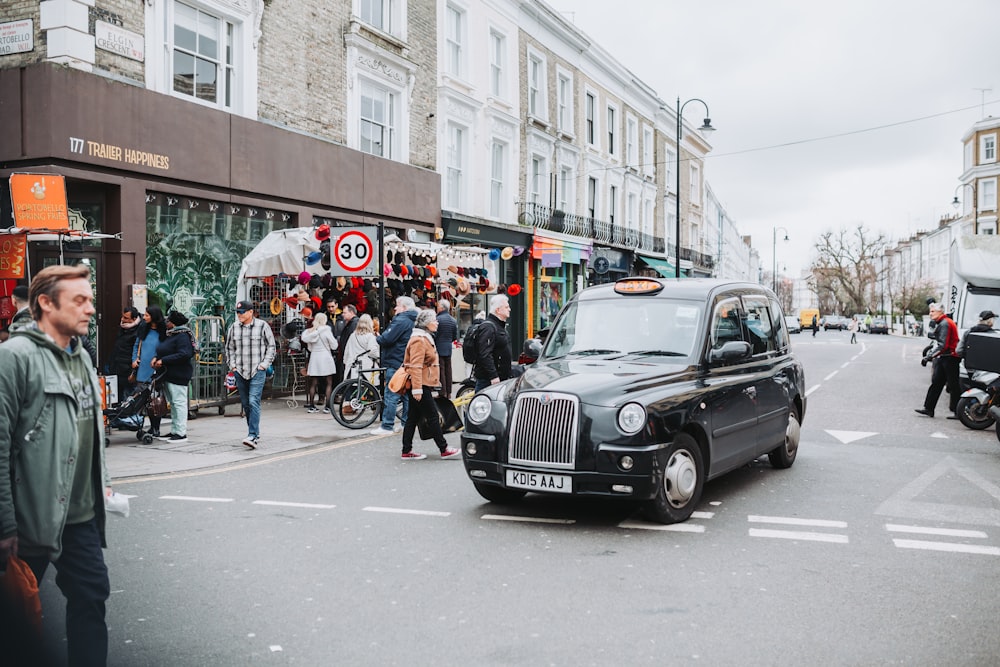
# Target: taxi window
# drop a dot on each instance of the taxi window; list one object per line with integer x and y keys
{"x": 726, "y": 323}
{"x": 780, "y": 329}
{"x": 759, "y": 325}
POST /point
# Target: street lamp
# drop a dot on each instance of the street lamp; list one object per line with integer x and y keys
{"x": 774, "y": 256}
{"x": 705, "y": 127}
{"x": 975, "y": 204}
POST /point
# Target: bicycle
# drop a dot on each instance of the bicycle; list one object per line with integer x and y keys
{"x": 356, "y": 402}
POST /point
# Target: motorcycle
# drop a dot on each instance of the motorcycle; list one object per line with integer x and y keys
{"x": 975, "y": 407}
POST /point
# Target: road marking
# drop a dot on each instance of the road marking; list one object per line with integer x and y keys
{"x": 398, "y": 510}
{"x": 846, "y": 437}
{"x": 830, "y": 376}
{"x": 845, "y": 364}
{"x": 812, "y": 389}
{"x": 280, "y": 503}
{"x": 947, "y": 546}
{"x": 799, "y": 535}
{"x": 947, "y": 532}
{"x": 198, "y": 499}
{"x": 672, "y": 527}
{"x": 904, "y": 504}
{"x": 526, "y": 519}
{"x": 793, "y": 521}
{"x": 938, "y": 434}
{"x": 702, "y": 515}
{"x": 855, "y": 357}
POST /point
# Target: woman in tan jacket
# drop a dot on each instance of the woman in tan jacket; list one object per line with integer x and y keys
{"x": 421, "y": 362}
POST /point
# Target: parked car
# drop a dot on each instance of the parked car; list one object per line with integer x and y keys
{"x": 879, "y": 326}
{"x": 793, "y": 324}
{"x": 645, "y": 389}
{"x": 835, "y": 322}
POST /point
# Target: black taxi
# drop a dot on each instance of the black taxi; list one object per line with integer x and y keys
{"x": 645, "y": 389}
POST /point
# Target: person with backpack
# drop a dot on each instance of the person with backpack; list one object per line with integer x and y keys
{"x": 489, "y": 347}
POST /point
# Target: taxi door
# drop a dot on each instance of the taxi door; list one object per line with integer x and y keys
{"x": 771, "y": 385}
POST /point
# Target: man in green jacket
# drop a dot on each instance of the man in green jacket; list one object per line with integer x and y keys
{"x": 53, "y": 478}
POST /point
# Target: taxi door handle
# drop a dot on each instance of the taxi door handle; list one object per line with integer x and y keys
{"x": 751, "y": 392}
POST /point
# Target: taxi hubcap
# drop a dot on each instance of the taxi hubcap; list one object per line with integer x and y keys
{"x": 792, "y": 435}
{"x": 680, "y": 478}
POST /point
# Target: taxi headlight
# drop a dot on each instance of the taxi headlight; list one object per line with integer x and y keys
{"x": 479, "y": 409}
{"x": 631, "y": 418}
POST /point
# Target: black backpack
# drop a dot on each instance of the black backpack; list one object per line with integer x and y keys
{"x": 470, "y": 344}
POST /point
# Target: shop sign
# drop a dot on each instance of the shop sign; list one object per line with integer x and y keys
{"x": 118, "y": 40}
{"x": 183, "y": 300}
{"x": 17, "y": 37}
{"x": 551, "y": 259}
{"x": 39, "y": 201}
{"x": 12, "y": 256}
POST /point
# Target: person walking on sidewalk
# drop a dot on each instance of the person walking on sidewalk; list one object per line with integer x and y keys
{"x": 173, "y": 356}
{"x": 815, "y": 325}
{"x": 444, "y": 339}
{"x": 53, "y": 477}
{"x": 322, "y": 366}
{"x": 493, "y": 363}
{"x": 853, "y": 328}
{"x": 250, "y": 350}
{"x": 152, "y": 329}
{"x": 393, "y": 342}
{"x": 945, "y": 360}
{"x": 421, "y": 362}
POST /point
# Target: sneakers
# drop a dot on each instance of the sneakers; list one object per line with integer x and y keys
{"x": 381, "y": 431}
{"x": 451, "y": 453}
{"x": 168, "y": 436}
{"x": 310, "y": 406}
{"x": 312, "y": 409}
{"x": 251, "y": 442}
{"x": 175, "y": 437}
{"x": 413, "y": 456}
{"x": 325, "y": 410}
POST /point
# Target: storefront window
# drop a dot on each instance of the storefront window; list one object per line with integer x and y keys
{"x": 551, "y": 296}
{"x": 194, "y": 249}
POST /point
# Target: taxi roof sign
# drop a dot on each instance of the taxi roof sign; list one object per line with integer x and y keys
{"x": 638, "y": 286}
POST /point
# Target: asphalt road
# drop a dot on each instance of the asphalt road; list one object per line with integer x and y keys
{"x": 881, "y": 545}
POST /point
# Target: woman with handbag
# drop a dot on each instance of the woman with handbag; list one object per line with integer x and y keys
{"x": 173, "y": 357}
{"x": 151, "y": 330}
{"x": 421, "y": 365}
{"x": 322, "y": 363}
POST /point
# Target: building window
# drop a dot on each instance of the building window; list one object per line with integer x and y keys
{"x": 498, "y": 59}
{"x": 632, "y": 143}
{"x": 455, "y": 157}
{"x": 631, "y": 210}
{"x": 669, "y": 164}
{"x": 378, "y": 120}
{"x": 612, "y": 147}
{"x": 648, "y": 159}
{"x": 203, "y": 51}
{"x": 454, "y": 39}
{"x": 539, "y": 177}
{"x": 612, "y": 203}
{"x": 536, "y": 86}
{"x": 591, "y": 110}
{"x": 497, "y": 170}
{"x": 565, "y": 111}
{"x": 384, "y": 15}
{"x": 592, "y": 197}
{"x": 566, "y": 190}
{"x": 987, "y": 148}
{"x": 695, "y": 191}
{"x": 987, "y": 195}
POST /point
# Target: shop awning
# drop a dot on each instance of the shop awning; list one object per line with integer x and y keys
{"x": 661, "y": 266}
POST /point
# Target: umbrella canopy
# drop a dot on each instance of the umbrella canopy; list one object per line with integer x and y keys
{"x": 281, "y": 251}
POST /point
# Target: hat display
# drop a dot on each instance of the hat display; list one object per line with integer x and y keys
{"x": 307, "y": 312}
{"x": 341, "y": 283}
{"x": 323, "y": 232}
{"x": 315, "y": 282}
{"x": 462, "y": 285}
{"x": 518, "y": 250}
{"x": 327, "y": 280}
{"x": 244, "y": 306}
{"x": 177, "y": 318}
{"x": 314, "y": 257}
{"x": 484, "y": 285}
{"x": 514, "y": 290}
{"x": 987, "y": 315}
{"x": 494, "y": 254}
{"x": 387, "y": 269}
{"x": 506, "y": 253}
{"x": 276, "y": 306}
{"x": 453, "y": 282}
{"x": 304, "y": 278}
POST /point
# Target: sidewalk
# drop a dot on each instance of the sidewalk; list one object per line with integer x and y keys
{"x": 215, "y": 440}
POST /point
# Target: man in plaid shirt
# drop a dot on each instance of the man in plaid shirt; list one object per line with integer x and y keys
{"x": 250, "y": 350}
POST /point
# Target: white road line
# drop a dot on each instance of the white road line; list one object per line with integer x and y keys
{"x": 812, "y": 389}
{"x": 947, "y": 546}
{"x": 702, "y": 515}
{"x": 397, "y": 510}
{"x": 197, "y": 499}
{"x": 830, "y": 376}
{"x": 792, "y": 521}
{"x": 799, "y": 535}
{"x": 845, "y": 364}
{"x": 280, "y": 503}
{"x": 855, "y": 357}
{"x": 527, "y": 519}
{"x": 947, "y": 532}
{"x": 673, "y": 527}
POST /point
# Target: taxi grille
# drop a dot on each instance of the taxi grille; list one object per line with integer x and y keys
{"x": 543, "y": 430}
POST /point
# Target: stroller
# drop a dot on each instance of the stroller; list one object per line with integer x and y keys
{"x": 130, "y": 414}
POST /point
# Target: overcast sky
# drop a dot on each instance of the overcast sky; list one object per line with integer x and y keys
{"x": 780, "y": 71}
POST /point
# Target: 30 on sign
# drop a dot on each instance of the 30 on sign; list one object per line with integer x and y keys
{"x": 353, "y": 250}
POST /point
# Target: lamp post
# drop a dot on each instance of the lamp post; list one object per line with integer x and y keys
{"x": 975, "y": 204}
{"x": 774, "y": 256}
{"x": 705, "y": 127}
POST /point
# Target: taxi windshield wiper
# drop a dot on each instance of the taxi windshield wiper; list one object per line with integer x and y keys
{"x": 595, "y": 351}
{"x": 658, "y": 353}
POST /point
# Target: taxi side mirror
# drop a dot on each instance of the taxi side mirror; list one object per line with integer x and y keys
{"x": 734, "y": 350}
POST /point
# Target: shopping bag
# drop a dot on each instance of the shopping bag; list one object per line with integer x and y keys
{"x": 400, "y": 381}
{"x": 451, "y": 421}
{"x": 20, "y": 591}
{"x": 157, "y": 406}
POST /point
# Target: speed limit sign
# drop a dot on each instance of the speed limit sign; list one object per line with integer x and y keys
{"x": 353, "y": 252}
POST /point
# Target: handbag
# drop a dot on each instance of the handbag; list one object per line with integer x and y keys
{"x": 157, "y": 406}
{"x": 19, "y": 589}
{"x": 400, "y": 381}
{"x": 448, "y": 417}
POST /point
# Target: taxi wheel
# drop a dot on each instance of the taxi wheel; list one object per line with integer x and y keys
{"x": 498, "y": 494}
{"x": 680, "y": 482}
{"x": 783, "y": 456}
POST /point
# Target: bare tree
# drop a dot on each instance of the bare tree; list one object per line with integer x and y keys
{"x": 846, "y": 270}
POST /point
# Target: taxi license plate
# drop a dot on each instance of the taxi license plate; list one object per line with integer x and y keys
{"x": 539, "y": 481}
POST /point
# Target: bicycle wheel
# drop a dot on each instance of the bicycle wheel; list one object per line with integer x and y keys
{"x": 355, "y": 403}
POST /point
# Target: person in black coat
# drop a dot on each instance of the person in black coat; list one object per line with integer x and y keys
{"x": 350, "y": 317}
{"x": 493, "y": 362}
{"x": 174, "y": 355}
{"x": 121, "y": 355}
{"x": 444, "y": 341}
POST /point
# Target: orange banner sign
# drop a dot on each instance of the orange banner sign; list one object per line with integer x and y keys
{"x": 12, "y": 256}
{"x": 39, "y": 201}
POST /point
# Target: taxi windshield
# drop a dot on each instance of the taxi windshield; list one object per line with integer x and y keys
{"x": 648, "y": 327}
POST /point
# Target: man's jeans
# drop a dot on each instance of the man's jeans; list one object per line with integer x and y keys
{"x": 82, "y": 577}
{"x": 177, "y": 394}
{"x": 389, "y": 402}
{"x": 250, "y": 393}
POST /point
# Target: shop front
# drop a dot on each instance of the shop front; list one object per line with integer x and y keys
{"x": 558, "y": 271}
{"x": 657, "y": 267}
{"x": 608, "y": 265}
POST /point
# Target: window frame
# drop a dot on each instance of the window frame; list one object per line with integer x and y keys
{"x": 988, "y": 148}
{"x": 393, "y": 114}
{"x": 591, "y": 122}
{"x": 455, "y": 165}
{"x": 611, "y": 115}
{"x": 455, "y": 21}
{"x": 498, "y": 182}
{"x": 632, "y": 141}
{"x": 394, "y": 12}
{"x": 537, "y": 82}
{"x": 498, "y": 63}
{"x": 564, "y": 101}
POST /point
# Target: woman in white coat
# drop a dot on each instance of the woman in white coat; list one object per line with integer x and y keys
{"x": 361, "y": 343}
{"x": 322, "y": 363}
